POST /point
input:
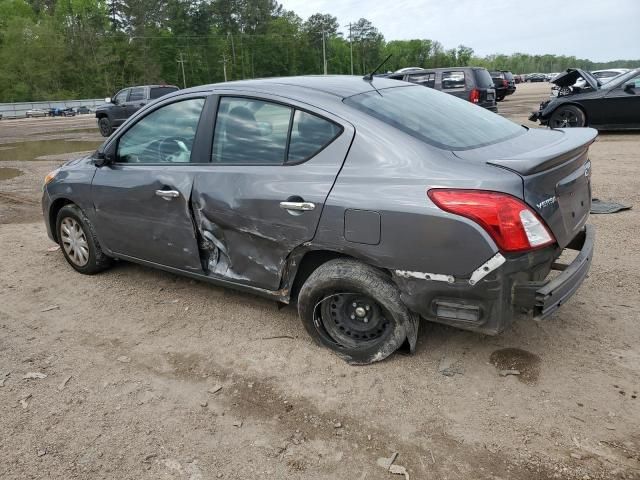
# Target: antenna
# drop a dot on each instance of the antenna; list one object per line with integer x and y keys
{"x": 369, "y": 76}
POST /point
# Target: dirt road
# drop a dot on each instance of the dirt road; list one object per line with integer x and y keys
{"x": 150, "y": 375}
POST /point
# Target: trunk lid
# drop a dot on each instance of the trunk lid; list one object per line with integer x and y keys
{"x": 555, "y": 171}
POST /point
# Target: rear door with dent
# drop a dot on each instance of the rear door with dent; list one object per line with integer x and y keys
{"x": 273, "y": 164}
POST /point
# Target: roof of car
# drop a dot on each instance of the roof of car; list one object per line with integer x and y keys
{"x": 337, "y": 85}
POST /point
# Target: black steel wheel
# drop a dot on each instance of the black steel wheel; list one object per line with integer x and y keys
{"x": 567, "y": 116}
{"x": 352, "y": 319}
{"x": 355, "y": 310}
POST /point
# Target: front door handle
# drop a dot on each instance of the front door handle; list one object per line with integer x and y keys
{"x": 167, "y": 194}
{"x": 298, "y": 206}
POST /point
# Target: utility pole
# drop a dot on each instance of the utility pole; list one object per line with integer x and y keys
{"x": 181, "y": 62}
{"x": 351, "y": 47}
{"x": 324, "y": 54}
{"x": 224, "y": 65}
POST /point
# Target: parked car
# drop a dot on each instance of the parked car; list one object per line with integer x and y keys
{"x": 603, "y": 76}
{"x": 36, "y": 112}
{"x": 61, "y": 112}
{"x": 470, "y": 83}
{"x": 82, "y": 110}
{"x": 368, "y": 203}
{"x": 125, "y": 103}
{"x": 504, "y": 84}
{"x": 535, "y": 77}
{"x": 613, "y": 106}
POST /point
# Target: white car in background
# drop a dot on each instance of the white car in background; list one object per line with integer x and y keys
{"x": 36, "y": 112}
{"x": 603, "y": 76}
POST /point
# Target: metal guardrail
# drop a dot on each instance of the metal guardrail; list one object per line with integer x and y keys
{"x": 19, "y": 110}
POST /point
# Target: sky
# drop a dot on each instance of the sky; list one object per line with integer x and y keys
{"x": 598, "y": 30}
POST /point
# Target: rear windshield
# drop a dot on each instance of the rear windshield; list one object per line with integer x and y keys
{"x": 437, "y": 118}
{"x": 157, "y": 92}
{"x": 483, "y": 79}
{"x": 508, "y": 75}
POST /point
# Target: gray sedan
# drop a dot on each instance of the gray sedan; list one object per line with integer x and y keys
{"x": 368, "y": 203}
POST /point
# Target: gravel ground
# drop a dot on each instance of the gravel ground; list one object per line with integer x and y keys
{"x": 137, "y": 373}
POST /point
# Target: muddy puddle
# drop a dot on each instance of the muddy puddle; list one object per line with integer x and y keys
{"x": 526, "y": 364}
{"x": 32, "y": 150}
{"x": 9, "y": 173}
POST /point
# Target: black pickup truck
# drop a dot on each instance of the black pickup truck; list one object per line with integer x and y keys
{"x": 125, "y": 103}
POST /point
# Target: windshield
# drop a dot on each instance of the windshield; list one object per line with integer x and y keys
{"x": 620, "y": 80}
{"x": 437, "y": 118}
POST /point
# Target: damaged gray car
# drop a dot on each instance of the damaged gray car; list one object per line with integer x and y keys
{"x": 369, "y": 203}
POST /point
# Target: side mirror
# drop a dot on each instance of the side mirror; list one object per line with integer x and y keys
{"x": 630, "y": 87}
{"x": 102, "y": 158}
{"x": 107, "y": 100}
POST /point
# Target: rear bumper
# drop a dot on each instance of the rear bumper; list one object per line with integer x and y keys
{"x": 546, "y": 297}
{"x": 515, "y": 284}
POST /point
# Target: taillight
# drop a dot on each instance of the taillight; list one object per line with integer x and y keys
{"x": 505, "y": 83}
{"x": 474, "y": 95}
{"x": 510, "y": 222}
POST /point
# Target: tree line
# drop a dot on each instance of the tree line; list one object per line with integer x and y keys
{"x": 62, "y": 49}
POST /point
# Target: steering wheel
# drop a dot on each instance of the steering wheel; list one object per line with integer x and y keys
{"x": 173, "y": 149}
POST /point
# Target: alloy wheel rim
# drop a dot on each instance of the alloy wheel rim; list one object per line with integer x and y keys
{"x": 567, "y": 119}
{"x": 74, "y": 241}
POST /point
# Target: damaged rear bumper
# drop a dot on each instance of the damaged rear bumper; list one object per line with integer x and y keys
{"x": 544, "y": 298}
{"x": 507, "y": 286}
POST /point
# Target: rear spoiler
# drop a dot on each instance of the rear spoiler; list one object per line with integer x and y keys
{"x": 573, "y": 142}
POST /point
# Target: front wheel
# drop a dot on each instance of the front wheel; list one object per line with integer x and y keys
{"x": 78, "y": 241}
{"x": 105, "y": 126}
{"x": 567, "y": 116}
{"x": 355, "y": 310}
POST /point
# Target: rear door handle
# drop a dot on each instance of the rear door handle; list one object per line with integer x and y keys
{"x": 167, "y": 194}
{"x": 299, "y": 206}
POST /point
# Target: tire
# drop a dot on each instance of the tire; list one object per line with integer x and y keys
{"x": 335, "y": 292}
{"x": 78, "y": 241}
{"x": 105, "y": 126}
{"x": 500, "y": 98}
{"x": 566, "y": 116}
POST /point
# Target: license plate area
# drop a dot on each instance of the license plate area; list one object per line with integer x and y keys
{"x": 574, "y": 197}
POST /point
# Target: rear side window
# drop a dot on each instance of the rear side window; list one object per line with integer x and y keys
{"x": 157, "y": 92}
{"x": 483, "y": 79}
{"x": 136, "y": 94}
{"x": 451, "y": 80}
{"x": 442, "y": 120}
{"x": 508, "y": 75}
{"x": 250, "y": 132}
{"x": 309, "y": 135}
{"x": 426, "y": 79}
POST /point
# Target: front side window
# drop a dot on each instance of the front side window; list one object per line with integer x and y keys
{"x": 250, "y": 132}
{"x": 165, "y": 135}
{"x": 309, "y": 135}
{"x": 436, "y": 118}
{"x": 451, "y": 80}
{"x": 121, "y": 97}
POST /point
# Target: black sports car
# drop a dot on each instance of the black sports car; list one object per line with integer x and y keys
{"x": 612, "y": 106}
